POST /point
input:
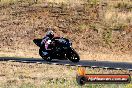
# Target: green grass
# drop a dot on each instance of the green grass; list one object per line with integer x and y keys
{"x": 39, "y": 1}
{"x": 23, "y": 75}
{"x": 63, "y": 83}
{"x": 124, "y": 6}
{"x": 20, "y": 75}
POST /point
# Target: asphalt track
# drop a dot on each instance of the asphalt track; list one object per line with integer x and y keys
{"x": 84, "y": 63}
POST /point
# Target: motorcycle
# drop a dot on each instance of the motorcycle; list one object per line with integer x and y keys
{"x": 60, "y": 48}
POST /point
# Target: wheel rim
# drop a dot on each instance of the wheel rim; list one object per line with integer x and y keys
{"x": 74, "y": 57}
{"x": 48, "y": 58}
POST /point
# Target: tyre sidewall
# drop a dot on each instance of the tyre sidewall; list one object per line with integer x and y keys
{"x": 46, "y": 56}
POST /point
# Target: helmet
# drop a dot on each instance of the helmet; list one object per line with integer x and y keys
{"x": 50, "y": 34}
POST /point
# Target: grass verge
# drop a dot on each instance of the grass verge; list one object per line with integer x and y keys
{"x": 33, "y": 75}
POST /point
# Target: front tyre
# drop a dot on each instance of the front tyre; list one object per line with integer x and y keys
{"x": 73, "y": 56}
{"x": 45, "y": 57}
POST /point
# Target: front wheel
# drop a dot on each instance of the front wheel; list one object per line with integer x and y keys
{"x": 45, "y": 57}
{"x": 73, "y": 55}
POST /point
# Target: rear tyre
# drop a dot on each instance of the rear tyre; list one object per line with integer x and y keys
{"x": 45, "y": 57}
{"x": 73, "y": 56}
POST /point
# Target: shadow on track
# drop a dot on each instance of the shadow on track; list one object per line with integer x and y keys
{"x": 86, "y": 63}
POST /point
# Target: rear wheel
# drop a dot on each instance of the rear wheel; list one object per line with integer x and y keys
{"x": 45, "y": 57}
{"x": 73, "y": 56}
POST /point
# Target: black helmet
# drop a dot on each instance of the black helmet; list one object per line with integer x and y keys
{"x": 50, "y": 34}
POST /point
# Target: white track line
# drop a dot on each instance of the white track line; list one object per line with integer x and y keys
{"x": 74, "y": 65}
{"x": 11, "y": 60}
{"x": 39, "y": 62}
{"x": 67, "y": 64}
{"x": 118, "y": 68}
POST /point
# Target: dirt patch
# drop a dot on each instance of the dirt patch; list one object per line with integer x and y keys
{"x": 82, "y": 24}
{"x": 32, "y": 75}
{"x": 106, "y": 57}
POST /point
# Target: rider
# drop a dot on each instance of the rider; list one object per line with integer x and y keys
{"x": 46, "y": 41}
